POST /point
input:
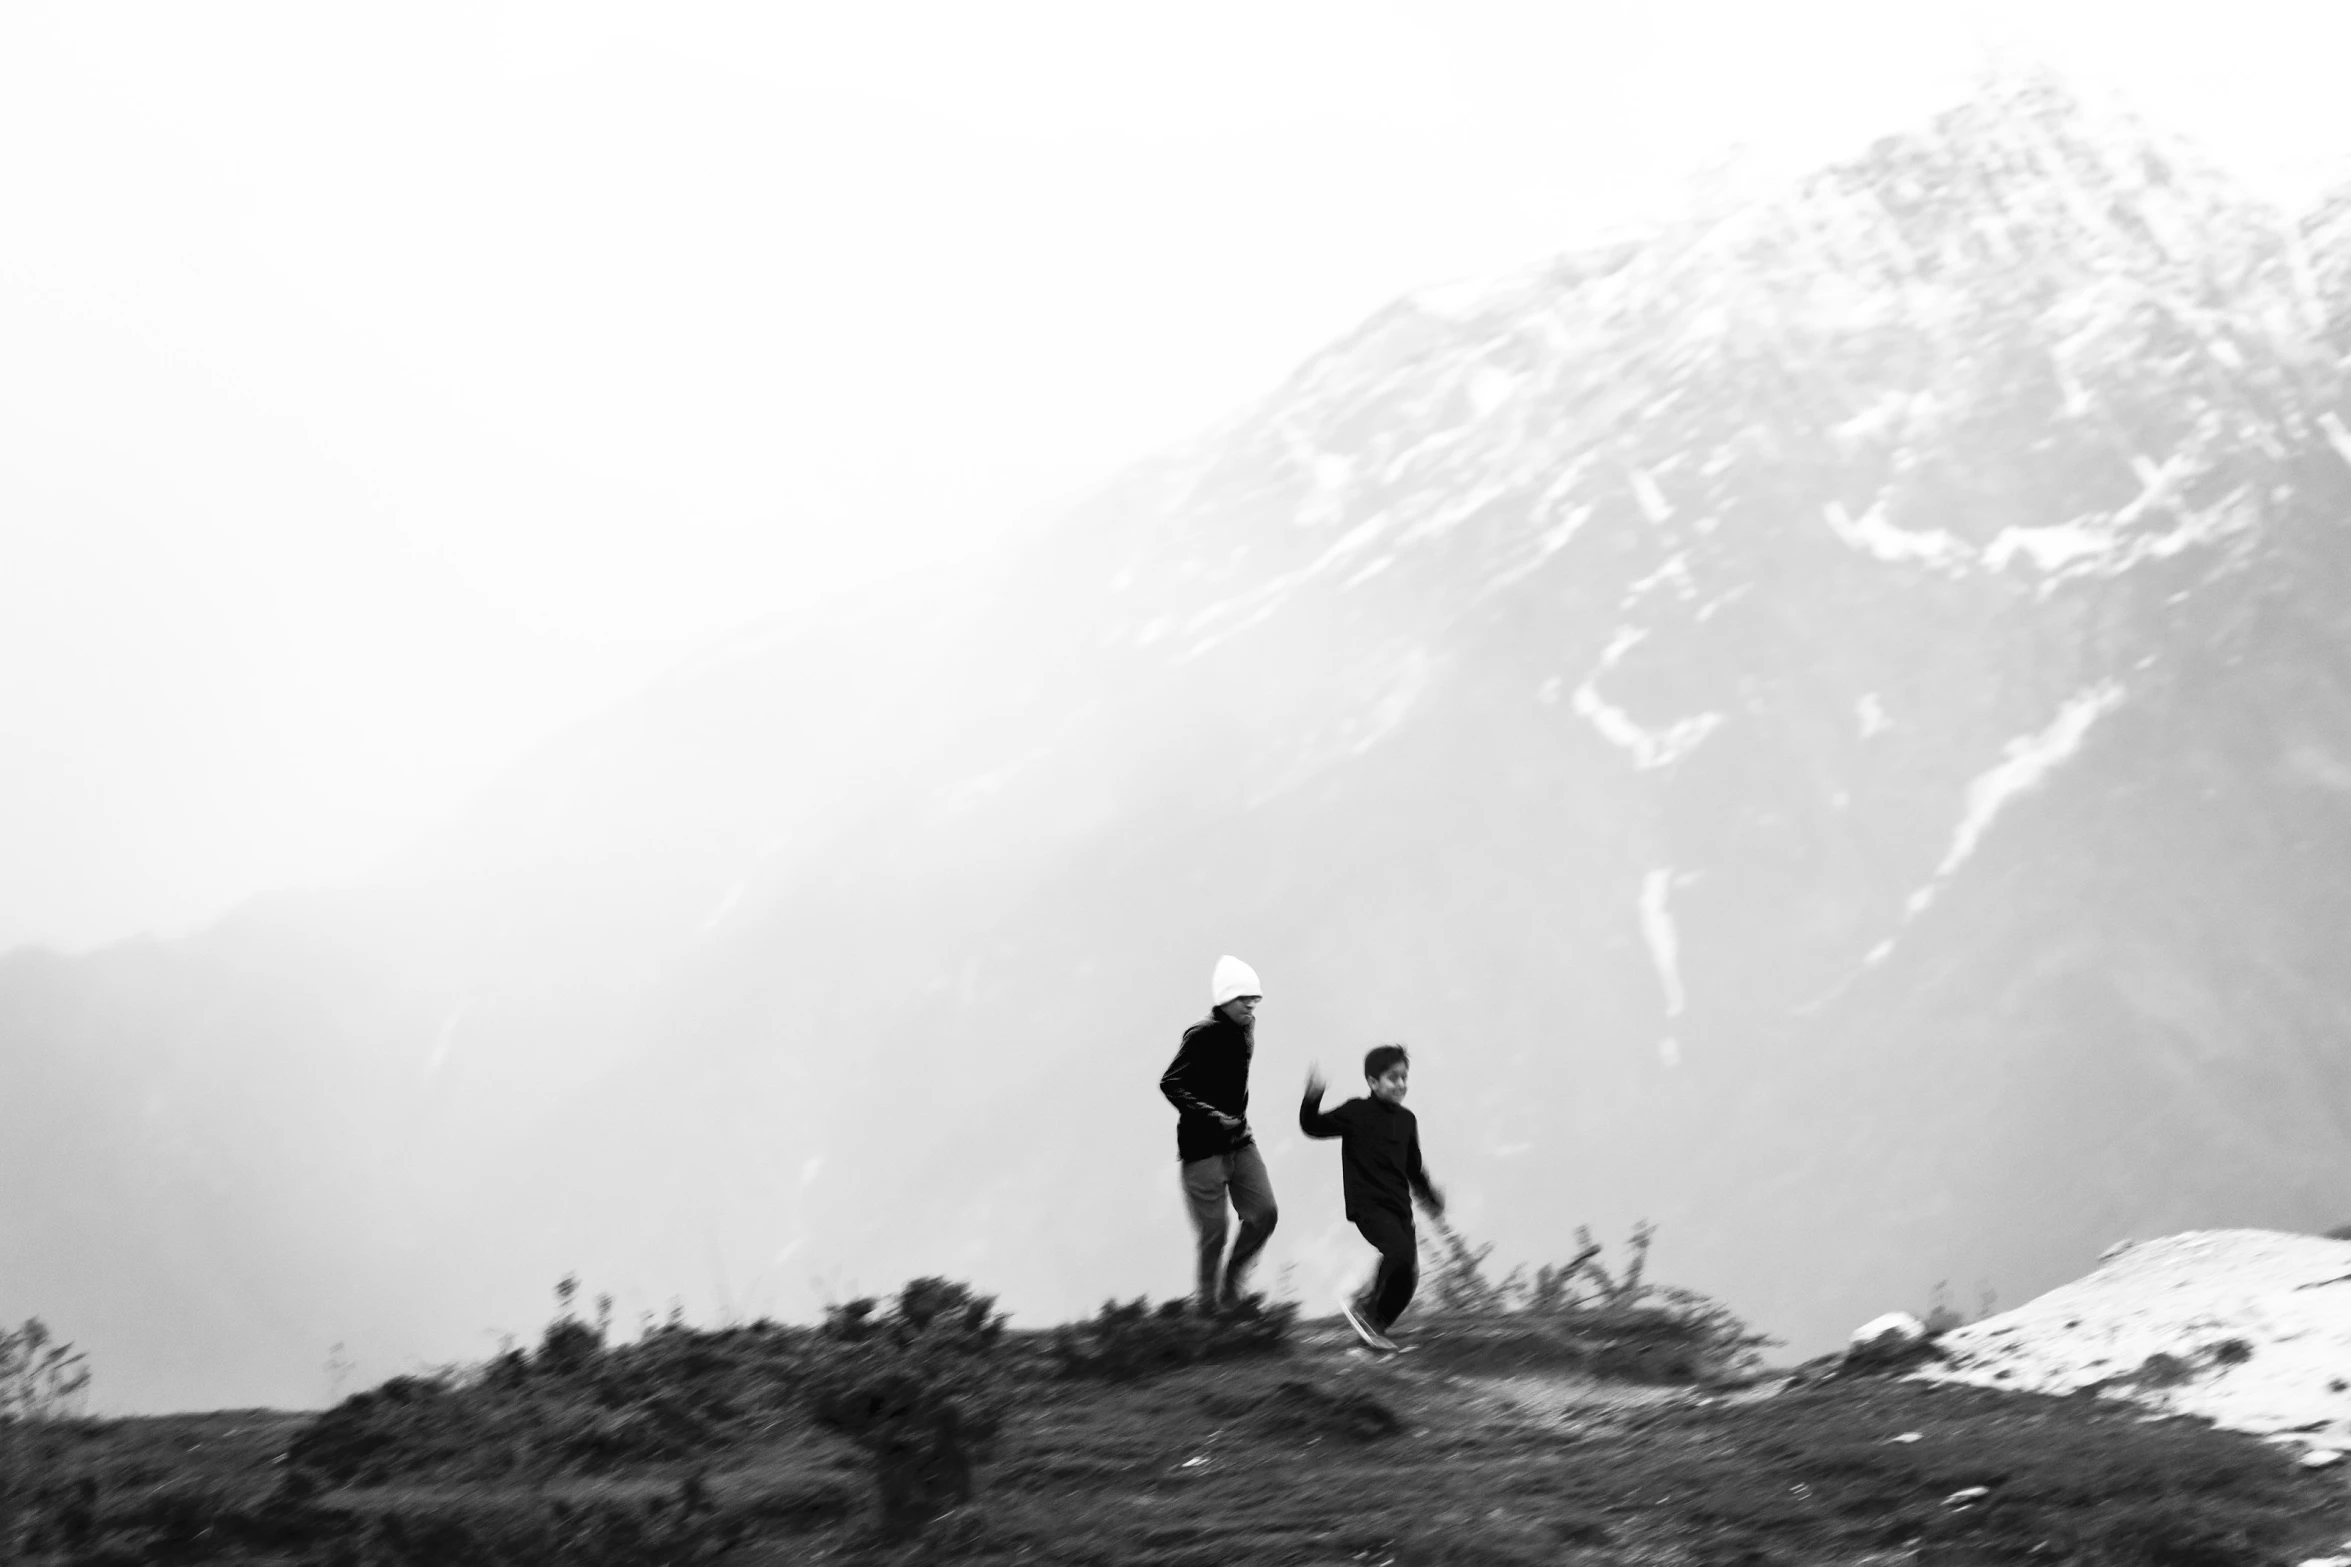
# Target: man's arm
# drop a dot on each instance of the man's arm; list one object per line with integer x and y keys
{"x": 1311, "y": 1120}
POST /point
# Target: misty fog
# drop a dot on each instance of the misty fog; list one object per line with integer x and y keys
{"x": 664, "y": 650}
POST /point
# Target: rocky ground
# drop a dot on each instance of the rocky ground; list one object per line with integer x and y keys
{"x": 1469, "y": 1450}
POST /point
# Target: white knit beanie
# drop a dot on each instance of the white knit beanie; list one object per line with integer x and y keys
{"x": 1232, "y": 980}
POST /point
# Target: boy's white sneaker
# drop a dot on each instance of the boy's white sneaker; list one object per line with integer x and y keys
{"x": 1370, "y": 1335}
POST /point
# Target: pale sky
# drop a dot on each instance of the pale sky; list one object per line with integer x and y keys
{"x": 382, "y": 387}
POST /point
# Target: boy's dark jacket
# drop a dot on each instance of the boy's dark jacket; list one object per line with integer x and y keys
{"x": 1209, "y": 1073}
{"x": 1379, "y": 1155}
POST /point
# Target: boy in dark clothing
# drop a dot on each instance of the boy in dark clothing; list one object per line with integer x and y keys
{"x": 1208, "y": 1083}
{"x": 1379, "y": 1161}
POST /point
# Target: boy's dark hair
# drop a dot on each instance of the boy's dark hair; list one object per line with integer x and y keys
{"x": 1379, "y": 1058}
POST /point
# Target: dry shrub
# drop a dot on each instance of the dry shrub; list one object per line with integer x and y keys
{"x": 1129, "y": 1340}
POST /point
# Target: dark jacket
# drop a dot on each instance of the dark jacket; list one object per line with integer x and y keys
{"x": 1209, "y": 1073}
{"x": 1379, "y": 1154}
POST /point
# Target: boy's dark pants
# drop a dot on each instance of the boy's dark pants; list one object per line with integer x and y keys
{"x": 1206, "y": 1182}
{"x": 1392, "y": 1287}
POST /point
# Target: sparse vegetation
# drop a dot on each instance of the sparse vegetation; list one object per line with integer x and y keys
{"x": 918, "y": 1385}
{"x": 42, "y": 1382}
{"x": 1131, "y": 1339}
{"x": 573, "y": 1406}
{"x": 1612, "y": 1322}
{"x": 1941, "y": 1316}
{"x": 41, "y": 1378}
{"x": 1146, "y": 1436}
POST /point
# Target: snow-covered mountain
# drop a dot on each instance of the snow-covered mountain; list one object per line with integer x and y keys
{"x": 1827, "y": 728}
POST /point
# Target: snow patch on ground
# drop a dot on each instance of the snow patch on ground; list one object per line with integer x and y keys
{"x": 1675, "y": 570}
{"x": 1395, "y": 701}
{"x": 2109, "y": 543}
{"x": 2250, "y": 1329}
{"x": 1883, "y": 420}
{"x": 1738, "y": 591}
{"x": 2025, "y": 763}
{"x": 1489, "y": 388}
{"x": 1330, "y": 483}
{"x": 1454, "y": 510}
{"x": 1648, "y": 748}
{"x": 1228, "y": 617}
{"x": 2337, "y": 436}
{"x": 1653, "y": 503}
{"x": 1873, "y": 535}
{"x": 2050, "y": 549}
{"x": 1664, "y": 941}
{"x": 1665, "y": 944}
{"x": 1555, "y": 537}
{"x": 1565, "y": 520}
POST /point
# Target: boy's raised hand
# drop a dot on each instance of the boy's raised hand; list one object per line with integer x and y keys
{"x": 1315, "y": 1086}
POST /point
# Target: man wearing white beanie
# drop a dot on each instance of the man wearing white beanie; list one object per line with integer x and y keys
{"x": 1208, "y": 1083}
